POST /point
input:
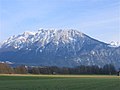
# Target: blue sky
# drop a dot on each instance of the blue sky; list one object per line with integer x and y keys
{"x": 99, "y": 19}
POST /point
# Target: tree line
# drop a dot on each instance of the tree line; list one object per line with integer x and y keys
{"x": 107, "y": 69}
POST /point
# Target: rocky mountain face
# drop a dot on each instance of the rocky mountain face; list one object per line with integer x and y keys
{"x": 67, "y": 48}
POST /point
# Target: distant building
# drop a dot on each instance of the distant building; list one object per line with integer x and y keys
{"x": 54, "y": 73}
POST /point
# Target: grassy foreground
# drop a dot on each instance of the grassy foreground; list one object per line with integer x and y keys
{"x": 59, "y": 82}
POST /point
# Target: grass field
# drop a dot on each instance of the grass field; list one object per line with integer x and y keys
{"x": 59, "y": 82}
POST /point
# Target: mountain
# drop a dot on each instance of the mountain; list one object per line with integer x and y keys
{"x": 67, "y": 48}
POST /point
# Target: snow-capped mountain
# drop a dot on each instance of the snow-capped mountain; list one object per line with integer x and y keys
{"x": 58, "y": 48}
{"x": 114, "y": 44}
{"x": 42, "y": 37}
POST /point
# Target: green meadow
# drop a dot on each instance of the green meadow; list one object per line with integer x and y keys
{"x": 59, "y": 82}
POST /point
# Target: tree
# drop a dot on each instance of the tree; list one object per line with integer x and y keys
{"x": 109, "y": 69}
{"x": 21, "y": 70}
{"x": 5, "y": 69}
{"x": 35, "y": 70}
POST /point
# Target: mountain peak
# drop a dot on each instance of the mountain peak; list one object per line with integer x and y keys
{"x": 43, "y": 37}
{"x": 114, "y": 44}
{"x": 67, "y": 47}
{"x": 28, "y": 33}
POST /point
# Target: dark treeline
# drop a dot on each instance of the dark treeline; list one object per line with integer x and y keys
{"x": 108, "y": 69}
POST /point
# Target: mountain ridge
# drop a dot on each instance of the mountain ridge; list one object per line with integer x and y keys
{"x": 59, "y": 48}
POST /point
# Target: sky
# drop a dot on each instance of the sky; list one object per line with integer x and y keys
{"x": 99, "y": 19}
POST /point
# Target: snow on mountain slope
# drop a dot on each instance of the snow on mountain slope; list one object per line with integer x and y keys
{"x": 114, "y": 44}
{"x": 58, "y": 48}
{"x": 43, "y": 37}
